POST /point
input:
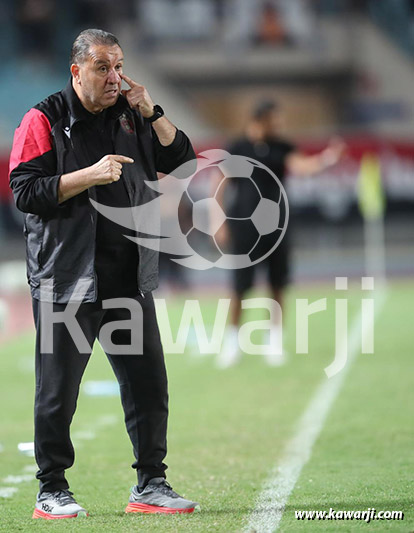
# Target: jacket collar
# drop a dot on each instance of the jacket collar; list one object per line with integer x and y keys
{"x": 78, "y": 111}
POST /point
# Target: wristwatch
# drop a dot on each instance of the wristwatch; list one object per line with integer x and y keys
{"x": 158, "y": 113}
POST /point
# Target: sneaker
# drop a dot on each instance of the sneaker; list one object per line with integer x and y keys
{"x": 158, "y": 497}
{"x": 57, "y": 504}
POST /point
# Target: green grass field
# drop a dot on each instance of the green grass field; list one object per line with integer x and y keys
{"x": 228, "y": 429}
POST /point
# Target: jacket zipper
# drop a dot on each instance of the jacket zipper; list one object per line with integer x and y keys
{"x": 129, "y": 192}
{"x": 94, "y": 225}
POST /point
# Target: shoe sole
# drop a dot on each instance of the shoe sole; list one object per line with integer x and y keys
{"x": 153, "y": 509}
{"x": 37, "y": 513}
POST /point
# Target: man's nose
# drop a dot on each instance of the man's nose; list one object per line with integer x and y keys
{"x": 113, "y": 76}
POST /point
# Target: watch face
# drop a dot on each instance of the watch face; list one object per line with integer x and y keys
{"x": 158, "y": 110}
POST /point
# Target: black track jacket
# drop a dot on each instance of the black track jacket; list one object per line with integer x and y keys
{"x": 60, "y": 238}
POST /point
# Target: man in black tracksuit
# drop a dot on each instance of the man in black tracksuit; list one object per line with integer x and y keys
{"x": 90, "y": 142}
{"x": 263, "y": 142}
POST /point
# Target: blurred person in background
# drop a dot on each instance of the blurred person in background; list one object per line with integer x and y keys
{"x": 70, "y": 149}
{"x": 268, "y": 22}
{"x": 262, "y": 141}
{"x": 36, "y": 24}
{"x": 270, "y": 27}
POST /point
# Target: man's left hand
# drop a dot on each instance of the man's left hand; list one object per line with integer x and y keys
{"x": 138, "y": 97}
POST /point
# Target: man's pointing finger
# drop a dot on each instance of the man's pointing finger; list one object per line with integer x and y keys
{"x": 130, "y": 82}
{"x": 123, "y": 159}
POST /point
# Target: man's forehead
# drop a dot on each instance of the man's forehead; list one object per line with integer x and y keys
{"x": 105, "y": 54}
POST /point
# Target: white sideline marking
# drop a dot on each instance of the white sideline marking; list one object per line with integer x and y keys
{"x": 101, "y": 388}
{"x": 18, "y": 479}
{"x": 106, "y": 420}
{"x": 26, "y": 448}
{"x": 30, "y": 468}
{"x": 83, "y": 435}
{"x": 27, "y": 364}
{"x": 271, "y": 502}
{"x": 90, "y": 434}
{"x": 7, "y": 492}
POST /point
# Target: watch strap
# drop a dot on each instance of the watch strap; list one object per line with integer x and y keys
{"x": 158, "y": 113}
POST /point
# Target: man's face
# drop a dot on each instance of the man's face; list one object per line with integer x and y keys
{"x": 273, "y": 123}
{"x": 97, "y": 80}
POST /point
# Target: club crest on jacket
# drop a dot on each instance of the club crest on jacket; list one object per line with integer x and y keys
{"x": 126, "y": 123}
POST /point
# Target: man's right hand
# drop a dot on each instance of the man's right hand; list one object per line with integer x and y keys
{"x": 108, "y": 169}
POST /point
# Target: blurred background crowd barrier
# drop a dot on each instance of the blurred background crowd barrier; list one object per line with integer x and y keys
{"x": 335, "y": 66}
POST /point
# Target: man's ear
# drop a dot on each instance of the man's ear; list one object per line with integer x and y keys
{"x": 75, "y": 71}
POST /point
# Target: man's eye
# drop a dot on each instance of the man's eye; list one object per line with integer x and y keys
{"x": 102, "y": 69}
{"x": 118, "y": 67}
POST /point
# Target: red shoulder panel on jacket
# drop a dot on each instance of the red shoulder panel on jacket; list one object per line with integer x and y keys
{"x": 31, "y": 139}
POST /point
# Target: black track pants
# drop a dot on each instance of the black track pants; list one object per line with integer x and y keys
{"x": 143, "y": 384}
